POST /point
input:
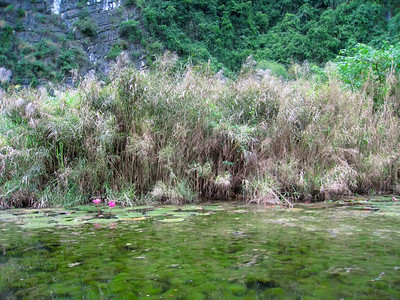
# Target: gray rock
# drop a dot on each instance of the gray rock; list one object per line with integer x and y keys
{"x": 5, "y": 75}
{"x": 55, "y": 20}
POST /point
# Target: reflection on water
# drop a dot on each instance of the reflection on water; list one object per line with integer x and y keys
{"x": 249, "y": 252}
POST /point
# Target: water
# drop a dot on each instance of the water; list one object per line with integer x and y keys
{"x": 233, "y": 253}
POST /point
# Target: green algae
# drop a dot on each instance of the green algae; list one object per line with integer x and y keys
{"x": 76, "y": 216}
{"x": 236, "y": 252}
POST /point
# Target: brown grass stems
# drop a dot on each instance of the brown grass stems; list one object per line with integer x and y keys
{"x": 183, "y": 136}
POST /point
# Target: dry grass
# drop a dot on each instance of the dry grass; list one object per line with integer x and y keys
{"x": 182, "y": 136}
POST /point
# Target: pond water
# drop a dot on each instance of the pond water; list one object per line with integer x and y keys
{"x": 203, "y": 252}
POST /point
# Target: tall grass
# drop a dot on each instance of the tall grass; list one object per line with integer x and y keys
{"x": 183, "y": 135}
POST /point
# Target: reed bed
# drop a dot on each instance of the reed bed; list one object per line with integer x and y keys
{"x": 184, "y": 135}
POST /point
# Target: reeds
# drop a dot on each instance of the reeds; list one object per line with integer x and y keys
{"x": 184, "y": 135}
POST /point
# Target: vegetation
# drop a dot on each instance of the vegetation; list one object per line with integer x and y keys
{"x": 131, "y": 31}
{"x": 283, "y": 31}
{"x": 223, "y": 34}
{"x": 87, "y": 27}
{"x": 181, "y": 135}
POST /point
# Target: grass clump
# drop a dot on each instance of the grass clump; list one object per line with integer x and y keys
{"x": 181, "y": 135}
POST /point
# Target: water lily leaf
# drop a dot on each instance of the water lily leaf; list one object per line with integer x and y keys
{"x": 133, "y": 219}
{"x": 7, "y": 217}
{"x": 159, "y": 212}
{"x": 101, "y": 221}
{"x": 86, "y": 208}
{"x": 184, "y": 214}
{"x": 143, "y": 207}
{"x": 35, "y": 225}
{"x": 132, "y": 215}
{"x": 172, "y": 220}
{"x": 213, "y": 207}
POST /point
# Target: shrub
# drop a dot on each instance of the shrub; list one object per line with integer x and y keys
{"x": 370, "y": 68}
{"x": 70, "y": 59}
{"x": 129, "y": 3}
{"x": 130, "y": 30}
{"x": 276, "y": 69}
{"x": 9, "y": 9}
{"x": 114, "y": 52}
{"x": 45, "y": 48}
{"x": 87, "y": 27}
{"x": 21, "y": 13}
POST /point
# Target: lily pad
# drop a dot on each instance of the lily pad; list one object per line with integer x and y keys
{"x": 101, "y": 221}
{"x": 213, "y": 207}
{"x": 133, "y": 219}
{"x": 86, "y": 208}
{"x": 184, "y": 214}
{"x": 142, "y": 207}
{"x": 172, "y": 220}
{"x": 132, "y": 215}
{"x": 7, "y": 217}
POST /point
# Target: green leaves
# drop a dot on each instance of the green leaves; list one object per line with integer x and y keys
{"x": 358, "y": 64}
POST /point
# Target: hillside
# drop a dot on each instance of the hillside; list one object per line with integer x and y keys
{"x": 44, "y": 41}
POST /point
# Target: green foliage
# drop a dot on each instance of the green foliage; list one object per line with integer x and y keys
{"x": 114, "y": 52}
{"x": 87, "y": 27}
{"x": 41, "y": 18}
{"x": 277, "y": 69}
{"x": 129, "y": 3}
{"x": 361, "y": 62}
{"x": 20, "y": 13}
{"x": 130, "y": 30}
{"x": 7, "y": 41}
{"x": 394, "y": 28}
{"x": 9, "y": 9}
{"x": 33, "y": 70}
{"x": 282, "y": 31}
{"x": 45, "y": 48}
{"x": 178, "y": 135}
{"x": 70, "y": 59}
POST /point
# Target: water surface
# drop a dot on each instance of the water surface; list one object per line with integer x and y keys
{"x": 218, "y": 252}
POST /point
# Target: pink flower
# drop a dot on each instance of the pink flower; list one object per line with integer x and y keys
{"x": 97, "y": 201}
{"x": 111, "y": 204}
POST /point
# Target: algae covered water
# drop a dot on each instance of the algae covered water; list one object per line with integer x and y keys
{"x": 199, "y": 252}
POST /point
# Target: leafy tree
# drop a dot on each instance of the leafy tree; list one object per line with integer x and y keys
{"x": 362, "y": 61}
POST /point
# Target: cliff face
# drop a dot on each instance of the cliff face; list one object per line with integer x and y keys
{"x": 91, "y": 28}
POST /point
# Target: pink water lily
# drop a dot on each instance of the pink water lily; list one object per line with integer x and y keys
{"x": 111, "y": 204}
{"x": 97, "y": 201}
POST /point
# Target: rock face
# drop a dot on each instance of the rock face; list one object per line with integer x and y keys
{"x": 93, "y": 25}
{"x": 5, "y": 75}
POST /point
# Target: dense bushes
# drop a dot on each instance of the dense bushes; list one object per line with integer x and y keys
{"x": 87, "y": 26}
{"x": 282, "y": 31}
{"x": 224, "y": 34}
{"x": 178, "y": 136}
{"x": 131, "y": 31}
